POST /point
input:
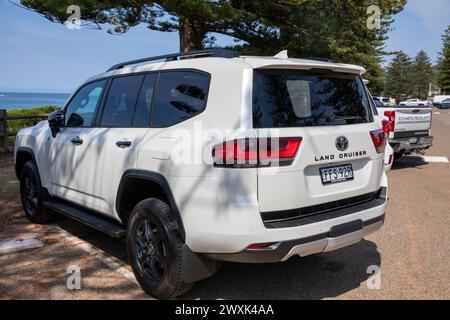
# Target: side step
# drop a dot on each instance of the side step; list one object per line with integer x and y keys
{"x": 94, "y": 221}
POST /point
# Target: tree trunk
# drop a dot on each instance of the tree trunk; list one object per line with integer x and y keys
{"x": 191, "y": 35}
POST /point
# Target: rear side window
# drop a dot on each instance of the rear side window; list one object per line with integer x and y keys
{"x": 372, "y": 103}
{"x": 121, "y": 101}
{"x": 180, "y": 95}
{"x": 283, "y": 99}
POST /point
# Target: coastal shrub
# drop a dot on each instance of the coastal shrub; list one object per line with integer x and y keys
{"x": 16, "y": 125}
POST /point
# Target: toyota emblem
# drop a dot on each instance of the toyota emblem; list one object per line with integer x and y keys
{"x": 342, "y": 143}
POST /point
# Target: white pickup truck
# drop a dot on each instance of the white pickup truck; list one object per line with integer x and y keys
{"x": 408, "y": 129}
{"x": 414, "y": 103}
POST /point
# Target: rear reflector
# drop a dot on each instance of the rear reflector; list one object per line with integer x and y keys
{"x": 259, "y": 246}
{"x": 391, "y": 158}
{"x": 256, "y": 152}
{"x": 379, "y": 140}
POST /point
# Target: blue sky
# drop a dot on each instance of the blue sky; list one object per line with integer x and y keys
{"x": 39, "y": 56}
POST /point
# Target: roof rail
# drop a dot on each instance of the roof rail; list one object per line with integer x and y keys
{"x": 317, "y": 59}
{"x": 221, "y": 53}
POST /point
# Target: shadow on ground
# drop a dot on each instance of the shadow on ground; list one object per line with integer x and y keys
{"x": 42, "y": 273}
{"x": 316, "y": 277}
{"x": 326, "y": 275}
{"x": 408, "y": 162}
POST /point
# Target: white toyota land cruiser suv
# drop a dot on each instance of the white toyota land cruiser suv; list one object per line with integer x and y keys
{"x": 206, "y": 156}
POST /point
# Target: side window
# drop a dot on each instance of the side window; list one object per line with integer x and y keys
{"x": 121, "y": 101}
{"x": 180, "y": 95}
{"x": 372, "y": 103}
{"x": 81, "y": 109}
{"x": 141, "y": 116}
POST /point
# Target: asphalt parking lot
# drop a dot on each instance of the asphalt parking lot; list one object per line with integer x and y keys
{"x": 412, "y": 250}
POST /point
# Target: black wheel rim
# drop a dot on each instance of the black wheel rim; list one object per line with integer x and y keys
{"x": 151, "y": 250}
{"x": 30, "y": 194}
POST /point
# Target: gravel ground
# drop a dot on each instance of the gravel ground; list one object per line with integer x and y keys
{"x": 412, "y": 250}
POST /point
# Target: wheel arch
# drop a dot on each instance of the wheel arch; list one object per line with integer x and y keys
{"x": 23, "y": 155}
{"x": 158, "y": 186}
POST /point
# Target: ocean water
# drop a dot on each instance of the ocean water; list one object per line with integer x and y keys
{"x": 27, "y": 100}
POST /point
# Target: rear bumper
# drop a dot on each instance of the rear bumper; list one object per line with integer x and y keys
{"x": 338, "y": 237}
{"x": 408, "y": 145}
{"x": 231, "y": 221}
{"x": 342, "y": 230}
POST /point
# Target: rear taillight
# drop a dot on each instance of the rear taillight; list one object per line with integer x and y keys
{"x": 379, "y": 140}
{"x": 389, "y": 125}
{"x": 256, "y": 152}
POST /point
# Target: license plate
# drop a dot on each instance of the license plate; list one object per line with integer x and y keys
{"x": 413, "y": 140}
{"x": 336, "y": 174}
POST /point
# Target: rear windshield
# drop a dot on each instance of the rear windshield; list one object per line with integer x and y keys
{"x": 284, "y": 98}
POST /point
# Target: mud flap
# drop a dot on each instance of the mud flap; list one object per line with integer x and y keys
{"x": 197, "y": 267}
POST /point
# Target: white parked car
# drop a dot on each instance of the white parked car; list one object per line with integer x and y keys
{"x": 384, "y": 100}
{"x": 208, "y": 157}
{"x": 414, "y": 103}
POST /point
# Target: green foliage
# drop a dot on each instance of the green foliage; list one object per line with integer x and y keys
{"x": 38, "y": 110}
{"x": 398, "y": 77}
{"x": 328, "y": 28}
{"x": 422, "y": 75}
{"x": 16, "y": 125}
{"x": 335, "y": 29}
{"x": 444, "y": 63}
{"x": 193, "y": 18}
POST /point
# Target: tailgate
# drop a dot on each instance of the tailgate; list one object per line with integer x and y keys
{"x": 300, "y": 185}
{"x": 412, "y": 119}
{"x": 337, "y": 158}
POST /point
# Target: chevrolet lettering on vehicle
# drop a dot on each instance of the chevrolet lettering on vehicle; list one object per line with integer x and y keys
{"x": 414, "y": 118}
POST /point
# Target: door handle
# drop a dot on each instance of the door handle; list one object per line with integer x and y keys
{"x": 123, "y": 144}
{"x": 77, "y": 141}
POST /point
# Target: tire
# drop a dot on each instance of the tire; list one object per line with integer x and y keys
{"x": 155, "y": 249}
{"x": 398, "y": 155}
{"x": 32, "y": 196}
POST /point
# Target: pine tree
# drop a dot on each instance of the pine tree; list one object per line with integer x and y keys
{"x": 398, "y": 77}
{"x": 334, "y": 29}
{"x": 422, "y": 75}
{"x": 337, "y": 30}
{"x": 444, "y": 63}
{"x": 193, "y": 19}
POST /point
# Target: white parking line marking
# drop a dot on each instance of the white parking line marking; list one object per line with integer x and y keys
{"x": 111, "y": 262}
{"x": 435, "y": 159}
{"x": 11, "y": 246}
{"x": 436, "y": 113}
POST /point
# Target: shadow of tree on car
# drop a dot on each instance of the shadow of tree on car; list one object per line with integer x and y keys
{"x": 409, "y": 162}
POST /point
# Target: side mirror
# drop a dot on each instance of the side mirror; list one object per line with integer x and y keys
{"x": 56, "y": 121}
